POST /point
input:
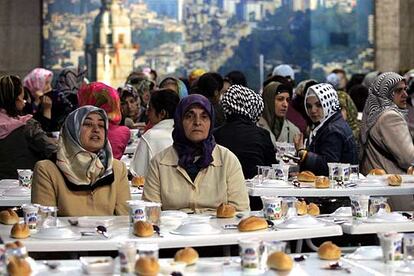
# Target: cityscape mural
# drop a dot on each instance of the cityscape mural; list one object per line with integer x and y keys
{"x": 114, "y": 37}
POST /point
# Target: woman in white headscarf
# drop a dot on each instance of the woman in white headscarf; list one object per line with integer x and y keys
{"x": 85, "y": 180}
{"x": 386, "y": 140}
{"x": 331, "y": 138}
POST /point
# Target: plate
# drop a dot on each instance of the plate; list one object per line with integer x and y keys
{"x": 305, "y": 221}
{"x": 372, "y": 182}
{"x": 95, "y": 221}
{"x": 97, "y": 265}
{"x": 271, "y": 183}
{"x": 135, "y": 190}
{"x": 387, "y": 217}
{"x": 195, "y": 228}
{"x": 9, "y": 183}
{"x": 18, "y": 192}
{"x": 176, "y": 214}
{"x": 407, "y": 178}
{"x": 56, "y": 234}
{"x": 366, "y": 253}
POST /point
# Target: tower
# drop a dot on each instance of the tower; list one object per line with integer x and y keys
{"x": 110, "y": 56}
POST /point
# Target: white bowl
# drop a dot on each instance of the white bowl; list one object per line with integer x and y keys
{"x": 195, "y": 228}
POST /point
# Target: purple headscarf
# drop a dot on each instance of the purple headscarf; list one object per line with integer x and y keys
{"x": 185, "y": 148}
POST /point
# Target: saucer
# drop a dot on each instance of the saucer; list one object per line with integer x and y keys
{"x": 196, "y": 228}
{"x": 305, "y": 221}
{"x": 366, "y": 253}
{"x": 9, "y": 183}
{"x": 386, "y": 217}
{"x": 56, "y": 234}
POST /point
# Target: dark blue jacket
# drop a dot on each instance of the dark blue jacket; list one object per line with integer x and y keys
{"x": 334, "y": 142}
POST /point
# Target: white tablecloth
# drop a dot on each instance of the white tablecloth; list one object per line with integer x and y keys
{"x": 121, "y": 232}
{"x": 290, "y": 190}
{"x": 231, "y": 266}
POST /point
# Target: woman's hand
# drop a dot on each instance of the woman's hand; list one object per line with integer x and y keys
{"x": 298, "y": 141}
{"x": 47, "y": 107}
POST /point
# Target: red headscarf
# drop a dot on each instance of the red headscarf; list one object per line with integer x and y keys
{"x": 103, "y": 96}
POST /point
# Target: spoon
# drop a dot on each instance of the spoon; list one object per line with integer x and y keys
{"x": 102, "y": 230}
{"x": 157, "y": 230}
{"x": 300, "y": 257}
{"x": 51, "y": 265}
{"x": 73, "y": 222}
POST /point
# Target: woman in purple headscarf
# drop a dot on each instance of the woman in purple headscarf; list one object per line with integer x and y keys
{"x": 195, "y": 174}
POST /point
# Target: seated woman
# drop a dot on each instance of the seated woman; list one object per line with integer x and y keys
{"x": 276, "y": 97}
{"x": 85, "y": 180}
{"x": 331, "y": 138}
{"x": 250, "y": 143}
{"x": 133, "y": 113}
{"x": 38, "y": 83}
{"x": 195, "y": 174}
{"x": 107, "y": 98}
{"x": 22, "y": 140}
{"x": 160, "y": 113}
{"x": 385, "y": 137}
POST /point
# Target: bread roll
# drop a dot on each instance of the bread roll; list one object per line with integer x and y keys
{"x": 306, "y": 176}
{"x": 20, "y": 231}
{"x": 313, "y": 209}
{"x": 187, "y": 255}
{"x": 329, "y": 251}
{"x": 394, "y": 180}
{"x": 322, "y": 182}
{"x": 377, "y": 172}
{"x": 410, "y": 170}
{"x": 143, "y": 229}
{"x": 138, "y": 181}
{"x": 9, "y": 217}
{"x": 226, "y": 211}
{"x": 279, "y": 261}
{"x": 18, "y": 267}
{"x": 301, "y": 208}
{"x": 147, "y": 266}
{"x": 252, "y": 223}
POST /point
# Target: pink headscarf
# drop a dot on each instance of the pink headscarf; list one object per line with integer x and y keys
{"x": 36, "y": 80}
{"x": 103, "y": 96}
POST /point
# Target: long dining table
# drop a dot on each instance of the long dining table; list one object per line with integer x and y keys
{"x": 120, "y": 230}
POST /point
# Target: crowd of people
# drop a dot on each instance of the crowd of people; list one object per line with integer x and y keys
{"x": 200, "y": 137}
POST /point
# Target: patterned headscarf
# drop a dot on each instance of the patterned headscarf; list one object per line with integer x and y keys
{"x": 380, "y": 99}
{"x": 328, "y": 97}
{"x": 240, "y": 100}
{"x": 187, "y": 150}
{"x": 103, "y": 96}
{"x": 36, "y": 80}
{"x": 67, "y": 86}
{"x": 79, "y": 166}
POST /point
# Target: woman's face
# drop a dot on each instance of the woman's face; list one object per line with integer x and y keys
{"x": 281, "y": 104}
{"x": 153, "y": 117}
{"x": 400, "y": 95}
{"x": 130, "y": 106}
{"x": 196, "y": 124}
{"x": 146, "y": 97}
{"x": 314, "y": 108}
{"x": 92, "y": 132}
{"x": 48, "y": 85}
{"x": 20, "y": 101}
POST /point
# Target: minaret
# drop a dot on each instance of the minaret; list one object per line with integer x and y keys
{"x": 110, "y": 56}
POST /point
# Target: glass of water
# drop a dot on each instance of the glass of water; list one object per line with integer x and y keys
{"x": 408, "y": 247}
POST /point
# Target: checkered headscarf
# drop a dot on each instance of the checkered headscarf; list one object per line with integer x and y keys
{"x": 240, "y": 100}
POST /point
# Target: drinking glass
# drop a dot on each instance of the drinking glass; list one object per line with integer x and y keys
{"x": 353, "y": 172}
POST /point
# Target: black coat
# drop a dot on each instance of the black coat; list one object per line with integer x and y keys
{"x": 250, "y": 143}
{"x": 334, "y": 142}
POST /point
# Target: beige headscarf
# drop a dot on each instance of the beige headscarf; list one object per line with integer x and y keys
{"x": 79, "y": 166}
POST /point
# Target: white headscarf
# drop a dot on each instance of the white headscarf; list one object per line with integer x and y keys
{"x": 328, "y": 97}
